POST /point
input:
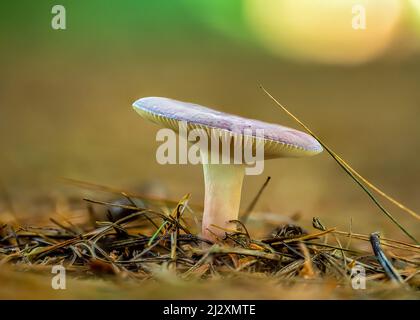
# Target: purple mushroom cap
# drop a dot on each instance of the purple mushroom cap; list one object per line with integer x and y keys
{"x": 279, "y": 141}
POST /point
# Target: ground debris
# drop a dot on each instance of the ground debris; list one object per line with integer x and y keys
{"x": 146, "y": 239}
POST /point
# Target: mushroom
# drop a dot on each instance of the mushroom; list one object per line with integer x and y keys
{"x": 223, "y": 181}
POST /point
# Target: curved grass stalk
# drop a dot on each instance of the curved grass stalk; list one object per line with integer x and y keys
{"x": 354, "y": 174}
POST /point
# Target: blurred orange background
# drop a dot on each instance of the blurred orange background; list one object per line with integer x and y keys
{"x": 66, "y": 95}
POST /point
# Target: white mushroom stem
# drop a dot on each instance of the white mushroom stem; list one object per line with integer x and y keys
{"x": 223, "y": 186}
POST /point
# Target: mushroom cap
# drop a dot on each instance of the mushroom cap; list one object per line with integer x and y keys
{"x": 279, "y": 141}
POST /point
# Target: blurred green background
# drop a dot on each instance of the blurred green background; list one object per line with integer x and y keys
{"x": 65, "y": 96}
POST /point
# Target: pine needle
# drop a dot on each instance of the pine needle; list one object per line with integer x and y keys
{"x": 251, "y": 206}
{"x": 353, "y": 174}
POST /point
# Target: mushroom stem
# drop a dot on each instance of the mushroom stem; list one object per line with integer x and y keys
{"x": 223, "y": 185}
